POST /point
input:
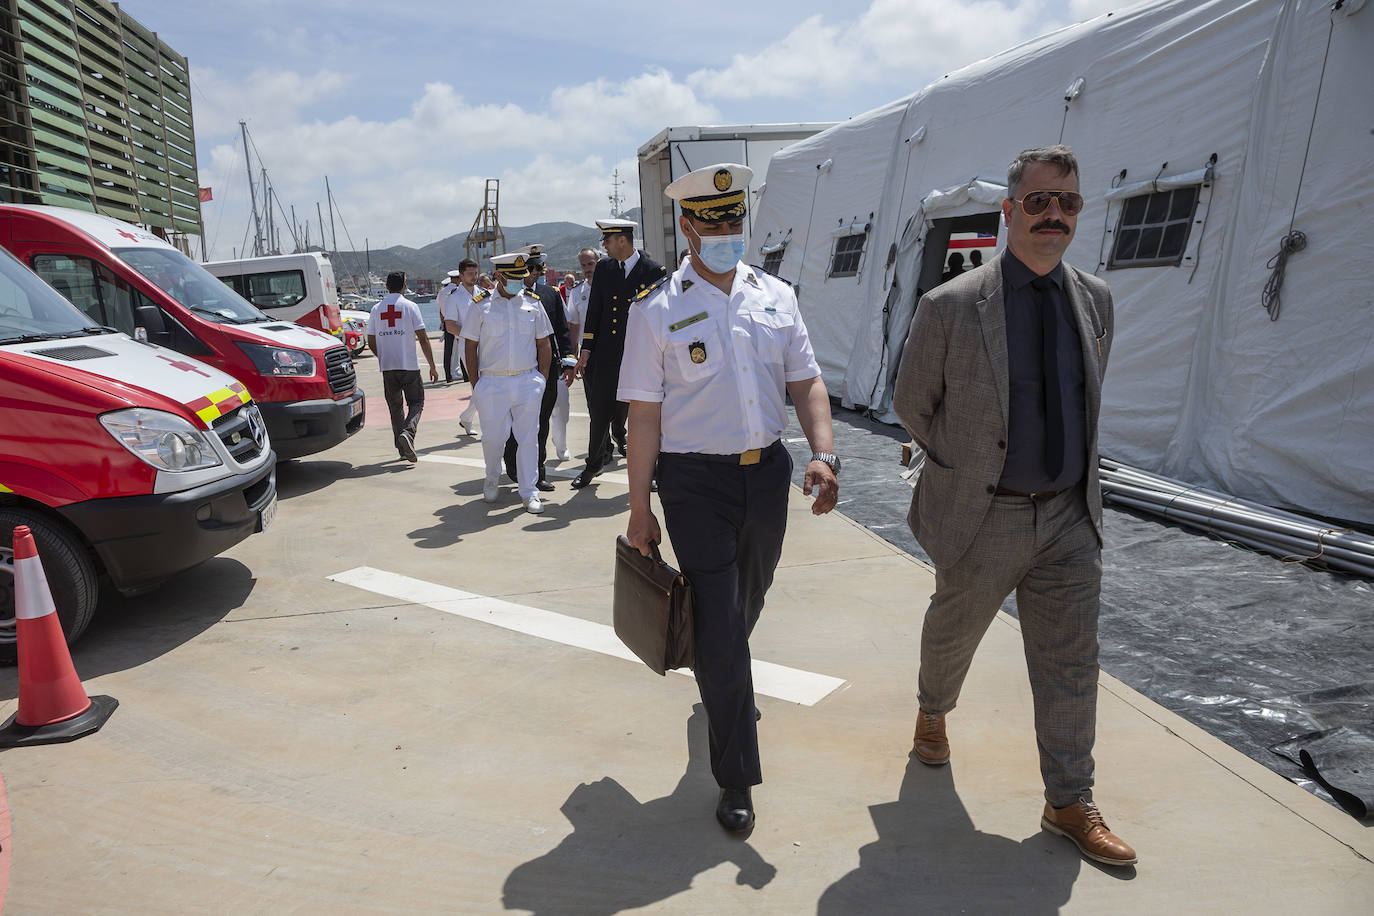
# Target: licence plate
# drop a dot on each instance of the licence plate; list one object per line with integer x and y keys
{"x": 355, "y": 408}
{"x": 267, "y": 515}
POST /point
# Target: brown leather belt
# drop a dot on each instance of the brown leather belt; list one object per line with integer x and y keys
{"x": 1038, "y": 497}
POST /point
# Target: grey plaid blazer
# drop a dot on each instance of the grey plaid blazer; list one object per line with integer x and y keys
{"x": 951, "y": 395}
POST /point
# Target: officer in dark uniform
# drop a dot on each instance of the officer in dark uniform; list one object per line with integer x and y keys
{"x": 615, "y": 283}
{"x": 562, "y": 347}
{"x": 711, "y": 356}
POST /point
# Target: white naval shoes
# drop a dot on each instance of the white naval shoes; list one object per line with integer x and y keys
{"x": 490, "y": 492}
{"x": 533, "y": 505}
{"x": 467, "y": 428}
{"x": 565, "y": 455}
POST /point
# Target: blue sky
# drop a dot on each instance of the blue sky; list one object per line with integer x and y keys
{"x": 409, "y": 106}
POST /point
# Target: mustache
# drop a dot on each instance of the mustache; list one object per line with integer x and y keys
{"x": 1051, "y": 224}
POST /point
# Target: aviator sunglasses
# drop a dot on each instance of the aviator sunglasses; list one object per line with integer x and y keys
{"x": 1037, "y": 202}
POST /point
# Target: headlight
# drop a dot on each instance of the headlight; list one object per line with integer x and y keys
{"x": 161, "y": 439}
{"x": 279, "y": 361}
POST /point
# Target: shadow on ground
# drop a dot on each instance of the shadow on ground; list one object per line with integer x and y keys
{"x": 929, "y": 857}
{"x": 624, "y": 854}
{"x": 127, "y": 632}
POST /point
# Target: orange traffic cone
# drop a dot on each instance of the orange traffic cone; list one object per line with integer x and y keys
{"x": 53, "y": 706}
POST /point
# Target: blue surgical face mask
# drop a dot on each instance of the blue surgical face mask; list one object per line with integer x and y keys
{"x": 720, "y": 253}
{"x": 512, "y": 287}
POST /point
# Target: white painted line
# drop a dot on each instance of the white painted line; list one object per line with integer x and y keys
{"x": 623, "y": 479}
{"x": 779, "y": 681}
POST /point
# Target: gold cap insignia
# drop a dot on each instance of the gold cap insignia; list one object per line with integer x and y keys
{"x": 519, "y": 262}
{"x": 722, "y": 179}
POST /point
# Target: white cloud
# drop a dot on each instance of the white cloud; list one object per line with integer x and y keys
{"x": 277, "y": 96}
{"x": 891, "y": 41}
{"x": 398, "y": 178}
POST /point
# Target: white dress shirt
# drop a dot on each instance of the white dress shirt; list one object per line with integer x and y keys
{"x": 749, "y": 345}
{"x": 629, "y": 263}
{"x": 394, "y": 321}
{"x": 506, "y": 331}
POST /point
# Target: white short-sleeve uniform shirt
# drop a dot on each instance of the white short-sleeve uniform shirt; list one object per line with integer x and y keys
{"x": 719, "y": 364}
{"x": 441, "y": 300}
{"x": 394, "y": 322}
{"x": 576, "y": 309}
{"x": 506, "y": 331}
{"x": 455, "y": 307}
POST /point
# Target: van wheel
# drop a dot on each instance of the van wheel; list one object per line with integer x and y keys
{"x": 69, "y": 568}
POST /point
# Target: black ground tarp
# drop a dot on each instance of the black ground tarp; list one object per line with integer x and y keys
{"x": 1276, "y": 659}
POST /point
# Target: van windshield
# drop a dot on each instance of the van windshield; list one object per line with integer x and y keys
{"x": 32, "y": 310}
{"x": 190, "y": 284}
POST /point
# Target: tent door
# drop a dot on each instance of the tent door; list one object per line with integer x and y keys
{"x": 957, "y": 235}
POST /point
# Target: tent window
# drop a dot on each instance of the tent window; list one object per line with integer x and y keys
{"x": 772, "y": 261}
{"x": 849, "y": 251}
{"x": 1153, "y": 228}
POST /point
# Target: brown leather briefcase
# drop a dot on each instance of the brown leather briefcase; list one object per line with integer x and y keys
{"x": 653, "y": 608}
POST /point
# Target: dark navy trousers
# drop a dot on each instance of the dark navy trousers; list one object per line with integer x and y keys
{"x": 726, "y": 522}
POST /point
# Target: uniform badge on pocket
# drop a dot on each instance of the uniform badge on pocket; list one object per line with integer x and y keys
{"x": 697, "y": 350}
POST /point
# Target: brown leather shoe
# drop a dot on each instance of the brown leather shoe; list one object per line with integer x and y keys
{"x": 1082, "y": 823}
{"x": 930, "y": 745}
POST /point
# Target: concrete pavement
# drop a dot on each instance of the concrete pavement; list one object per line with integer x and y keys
{"x": 290, "y": 743}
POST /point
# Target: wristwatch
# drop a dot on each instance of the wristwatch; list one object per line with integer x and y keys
{"x": 828, "y": 458}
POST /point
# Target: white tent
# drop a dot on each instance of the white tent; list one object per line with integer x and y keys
{"x": 1206, "y": 132}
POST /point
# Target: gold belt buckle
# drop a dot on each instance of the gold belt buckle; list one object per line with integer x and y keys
{"x": 750, "y": 457}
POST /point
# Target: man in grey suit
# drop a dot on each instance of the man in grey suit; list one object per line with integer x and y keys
{"x": 1000, "y": 384}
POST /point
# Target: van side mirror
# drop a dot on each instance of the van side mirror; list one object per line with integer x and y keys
{"x": 149, "y": 318}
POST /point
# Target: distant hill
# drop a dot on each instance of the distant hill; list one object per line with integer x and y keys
{"x": 562, "y": 241}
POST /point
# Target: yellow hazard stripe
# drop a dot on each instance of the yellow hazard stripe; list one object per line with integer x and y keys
{"x": 5, "y": 489}
{"x": 221, "y": 402}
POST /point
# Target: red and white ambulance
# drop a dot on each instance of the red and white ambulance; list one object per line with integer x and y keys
{"x": 128, "y": 461}
{"x": 126, "y": 278}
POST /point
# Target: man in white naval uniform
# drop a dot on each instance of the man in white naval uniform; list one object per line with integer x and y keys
{"x": 576, "y": 311}
{"x": 441, "y": 297}
{"x": 506, "y": 341}
{"x": 454, "y": 313}
{"x": 711, "y": 354}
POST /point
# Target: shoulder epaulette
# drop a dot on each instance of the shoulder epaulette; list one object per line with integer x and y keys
{"x": 478, "y": 297}
{"x": 648, "y": 291}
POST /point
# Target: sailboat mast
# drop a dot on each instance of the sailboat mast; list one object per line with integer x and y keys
{"x": 252, "y": 194}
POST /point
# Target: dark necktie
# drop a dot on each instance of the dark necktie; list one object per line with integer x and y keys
{"x": 1049, "y": 353}
{"x": 620, "y": 266}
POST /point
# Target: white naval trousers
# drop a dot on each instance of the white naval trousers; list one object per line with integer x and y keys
{"x": 510, "y": 404}
{"x": 558, "y": 421}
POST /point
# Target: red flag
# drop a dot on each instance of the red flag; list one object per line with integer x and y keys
{"x": 206, "y": 194}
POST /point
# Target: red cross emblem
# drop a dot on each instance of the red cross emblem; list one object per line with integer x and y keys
{"x": 183, "y": 365}
{"x": 128, "y": 235}
{"x": 391, "y": 314}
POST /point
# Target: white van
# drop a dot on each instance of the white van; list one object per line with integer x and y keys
{"x": 293, "y": 287}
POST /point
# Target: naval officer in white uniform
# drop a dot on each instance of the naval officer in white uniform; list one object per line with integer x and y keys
{"x": 506, "y": 344}
{"x": 459, "y": 300}
{"x": 711, "y": 354}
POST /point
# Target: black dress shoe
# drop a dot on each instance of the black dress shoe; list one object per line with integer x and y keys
{"x": 620, "y": 447}
{"x": 735, "y": 812}
{"x": 758, "y": 714}
{"x": 584, "y": 478}
{"x": 543, "y": 485}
